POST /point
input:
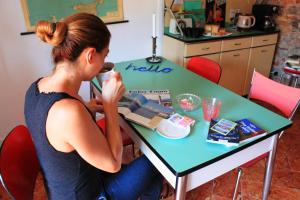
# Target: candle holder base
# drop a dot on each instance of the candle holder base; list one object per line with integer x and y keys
{"x": 154, "y": 59}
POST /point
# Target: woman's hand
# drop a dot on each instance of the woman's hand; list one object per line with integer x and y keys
{"x": 95, "y": 105}
{"x": 113, "y": 89}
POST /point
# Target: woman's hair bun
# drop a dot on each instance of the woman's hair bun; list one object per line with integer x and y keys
{"x": 52, "y": 33}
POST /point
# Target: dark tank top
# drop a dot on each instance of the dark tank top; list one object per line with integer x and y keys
{"x": 67, "y": 175}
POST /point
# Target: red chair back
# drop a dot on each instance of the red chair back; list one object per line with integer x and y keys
{"x": 19, "y": 165}
{"x": 290, "y": 70}
{"x": 125, "y": 138}
{"x": 206, "y": 68}
{"x": 283, "y": 97}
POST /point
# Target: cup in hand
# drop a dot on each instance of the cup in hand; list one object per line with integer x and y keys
{"x": 106, "y": 72}
{"x": 211, "y": 108}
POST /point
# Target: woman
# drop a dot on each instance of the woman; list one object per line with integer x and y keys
{"x": 77, "y": 160}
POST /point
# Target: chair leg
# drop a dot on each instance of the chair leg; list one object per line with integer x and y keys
{"x": 133, "y": 153}
{"x": 296, "y": 82}
{"x": 240, "y": 171}
{"x": 5, "y": 188}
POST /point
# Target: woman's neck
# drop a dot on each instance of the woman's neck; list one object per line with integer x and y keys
{"x": 65, "y": 78}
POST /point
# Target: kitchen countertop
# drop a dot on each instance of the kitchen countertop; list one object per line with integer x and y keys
{"x": 235, "y": 34}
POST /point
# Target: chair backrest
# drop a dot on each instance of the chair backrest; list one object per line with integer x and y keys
{"x": 206, "y": 68}
{"x": 283, "y": 97}
{"x": 19, "y": 165}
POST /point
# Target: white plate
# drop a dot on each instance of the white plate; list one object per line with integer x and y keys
{"x": 210, "y": 35}
{"x": 170, "y": 131}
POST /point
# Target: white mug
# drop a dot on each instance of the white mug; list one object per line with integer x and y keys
{"x": 106, "y": 72}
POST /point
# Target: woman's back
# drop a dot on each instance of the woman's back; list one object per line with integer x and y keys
{"x": 67, "y": 175}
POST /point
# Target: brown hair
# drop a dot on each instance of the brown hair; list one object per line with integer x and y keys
{"x": 71, "y": 36}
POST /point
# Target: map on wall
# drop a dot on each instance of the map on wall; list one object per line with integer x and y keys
{"x": 56, "y": 10}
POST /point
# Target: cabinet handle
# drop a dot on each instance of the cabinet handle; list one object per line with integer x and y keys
{"x": 266, "y": 40}
{"x": 207, "y": 48}
{"x": 264, "y": 51}
{"x": 237, "y": 44}
{"x": 236, "y": 55}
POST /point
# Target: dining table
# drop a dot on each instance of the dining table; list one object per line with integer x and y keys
{"x": 189, "y": 162}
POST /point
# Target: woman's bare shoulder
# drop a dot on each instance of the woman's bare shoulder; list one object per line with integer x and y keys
{"x": 67, "y": 119}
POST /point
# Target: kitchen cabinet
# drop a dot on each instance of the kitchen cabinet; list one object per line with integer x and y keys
{"x": 237, "y": 56}
{"x": 215, "y": 57}
{"x": 261, "y": 59}
{"x": 234, "y": 69}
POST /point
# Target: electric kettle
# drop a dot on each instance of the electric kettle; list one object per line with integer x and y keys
{"x": 245, "y": 21}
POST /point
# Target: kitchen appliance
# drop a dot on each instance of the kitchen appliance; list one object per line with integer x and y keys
{"x": 265, "y": 16}
{"x": 245, "y": 22}
{"x": 182, "y": 23}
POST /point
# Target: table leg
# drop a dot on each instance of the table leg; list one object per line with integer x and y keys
{"x": 269, "y": 169}
{"x": 180, "y": 189}
{"x": 92, "y": 95}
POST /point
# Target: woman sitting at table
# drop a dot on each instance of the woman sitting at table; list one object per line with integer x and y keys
{"x": 77, "y": 160}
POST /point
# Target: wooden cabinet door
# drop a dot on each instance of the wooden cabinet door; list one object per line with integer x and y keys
{"x": 215, "y": 57}
{"x": 234, "y": 66}
{"x": 261, "y": 58}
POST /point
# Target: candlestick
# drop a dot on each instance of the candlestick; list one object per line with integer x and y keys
{"x": 154, "y": 58}
{"x": 153, "y": 25}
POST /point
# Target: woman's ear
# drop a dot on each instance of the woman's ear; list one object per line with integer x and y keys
{"x": 90, "y": 55}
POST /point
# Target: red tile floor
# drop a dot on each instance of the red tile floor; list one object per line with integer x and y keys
{"x": 285, "y": 182}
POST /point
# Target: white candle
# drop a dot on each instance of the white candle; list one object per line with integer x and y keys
{"x": 153, "y": 25}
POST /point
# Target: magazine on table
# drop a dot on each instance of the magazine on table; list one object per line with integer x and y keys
{"x": 249, "y": 131}
{"x": 234, "y": 133}
{"x": 162, "y": 97}
{"x": 146, "y": 107}
{"x": 231, "y": 138}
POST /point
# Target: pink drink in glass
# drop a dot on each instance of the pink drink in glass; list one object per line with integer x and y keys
{"x": 211, "y": 108}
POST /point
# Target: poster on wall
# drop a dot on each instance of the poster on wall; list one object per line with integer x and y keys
{"x": 215, "y": 12}
{"x": 56, "y": 10}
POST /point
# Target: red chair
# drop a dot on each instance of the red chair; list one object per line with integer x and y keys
{"x": 206, "y": 68}
{"x": 284, "y": 98}
{"x": 19, "y": 165}
{"x": 294, "y": 73}
{"x": 125, "y": 138}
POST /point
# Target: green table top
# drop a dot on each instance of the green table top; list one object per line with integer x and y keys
{"x": 193, "y": 151}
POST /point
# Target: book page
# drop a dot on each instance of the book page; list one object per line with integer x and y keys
{"x": 137, "y": 108}
{"x": 124, "y": 111}
{"x": 146, "y": 122}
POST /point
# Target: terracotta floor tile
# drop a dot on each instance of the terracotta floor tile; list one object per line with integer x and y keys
{"x": 218, "y": 197}
{"x": 281, "y": 178}
{"x": 251, "y": 190}
{"x": 294, "y": 180}
{"x": 286, "y": 193}
{"x": 255, "y": 172}
{"x": 203, "y": 192}
{"x": 224, "y": 185}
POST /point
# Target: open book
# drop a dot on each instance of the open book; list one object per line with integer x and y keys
{"x": 148, "y": 112}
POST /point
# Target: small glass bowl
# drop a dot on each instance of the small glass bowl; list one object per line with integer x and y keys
{"x": 188, "y": 102}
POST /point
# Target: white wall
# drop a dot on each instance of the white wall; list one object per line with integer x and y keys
{"x": 23, "y": 59}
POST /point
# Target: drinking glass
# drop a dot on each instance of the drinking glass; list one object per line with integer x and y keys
{"x": 211, "y": 108}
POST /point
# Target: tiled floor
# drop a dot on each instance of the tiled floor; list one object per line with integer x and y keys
{"x": 285, "y": 182}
